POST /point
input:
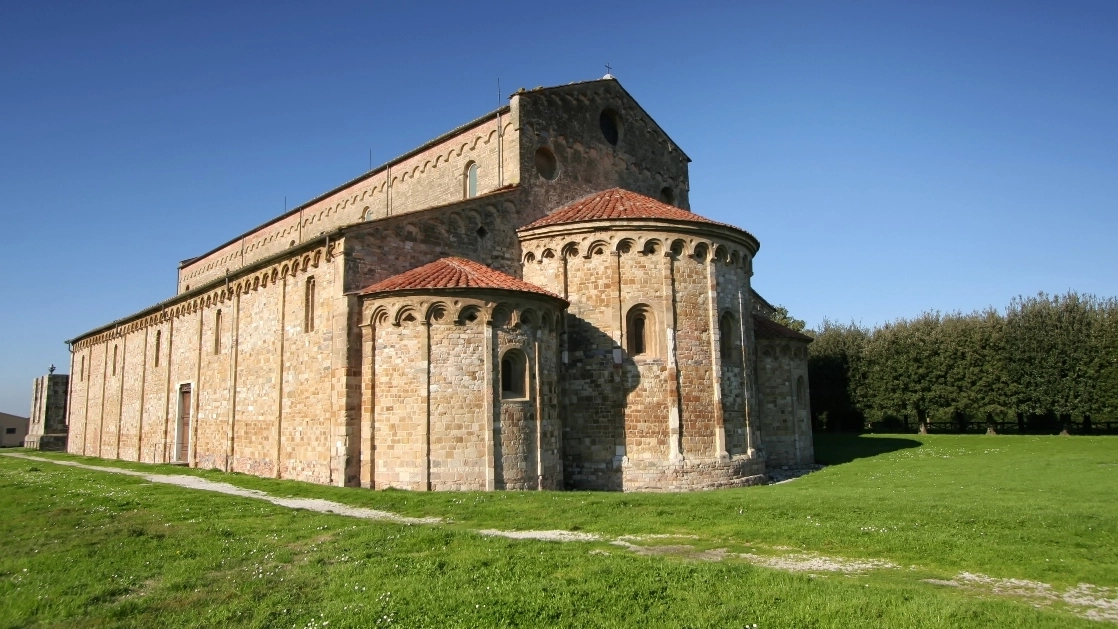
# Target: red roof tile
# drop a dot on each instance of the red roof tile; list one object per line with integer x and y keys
{"x": 616, "y": 203}
{"x": 769, "y": 329}
{"x": 454, "y": 273}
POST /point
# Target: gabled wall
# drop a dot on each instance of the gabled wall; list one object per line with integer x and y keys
{"x": 565, "y": 120}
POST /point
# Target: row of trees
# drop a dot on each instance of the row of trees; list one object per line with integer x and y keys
{"x": 1046, "y": 361}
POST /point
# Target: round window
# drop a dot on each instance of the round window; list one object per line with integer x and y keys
{"x": 546, "y": 165}
{"x": 610, "y": 123}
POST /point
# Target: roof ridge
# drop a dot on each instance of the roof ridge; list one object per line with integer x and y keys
{"x": 619, "y": 203}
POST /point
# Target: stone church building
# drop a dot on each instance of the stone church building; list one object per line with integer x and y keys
{"x": 525, "y": 302}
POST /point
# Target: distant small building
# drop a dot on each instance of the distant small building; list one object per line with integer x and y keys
{"x": 13, "y": 429}
{"x": 48, "y": 429}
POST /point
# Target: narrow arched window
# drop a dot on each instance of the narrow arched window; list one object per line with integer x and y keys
{"x": 83, "y": 369}
{"x": 217, "y": 333}
{"x": 114, "y": 359}
{"x": 308, "y": 306}
{"x": 727, "y": 338}
{"x": 514, "y": 369}
{"x": 801, "y": 392}
{"x": 639, "y": 331}
{"x": 158, "y": 339}
{"x": 471, "y": 180}
{"x": 637, "y": 343}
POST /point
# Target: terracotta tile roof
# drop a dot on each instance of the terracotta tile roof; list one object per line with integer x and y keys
{"x": 616, "y": 203}
{"x": 769, "y": 329}
{"x": 454, "y": 273}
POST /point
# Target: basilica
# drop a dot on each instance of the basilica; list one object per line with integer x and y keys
{"x": 525, "y": 302}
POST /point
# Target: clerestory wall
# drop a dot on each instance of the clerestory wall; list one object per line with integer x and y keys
{"x": 430, "y": 176}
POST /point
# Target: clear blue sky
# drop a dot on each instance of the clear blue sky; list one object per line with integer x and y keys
{"x": 892, "y": 157}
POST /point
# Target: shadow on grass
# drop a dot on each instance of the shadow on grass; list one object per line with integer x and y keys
{"x": 834, "y": 449}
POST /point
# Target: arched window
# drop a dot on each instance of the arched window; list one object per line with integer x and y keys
{"x": 158, "y": 340}
{"x": 640, "y": 331}
{"x": 801, "y": 392}
{"x": 727, "y": 338}
{"x": 308, "y": 306}
{"x": 514, "y": 367}
{"x": 471, "y": 180}
{"x": 667, "y": 195}
{"x": 83, "y": 369}
{"x": 114, "y": 360}
{"x": 217, "y": 333}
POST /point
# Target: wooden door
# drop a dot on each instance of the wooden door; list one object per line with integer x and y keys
{"x": 184, "y": 422}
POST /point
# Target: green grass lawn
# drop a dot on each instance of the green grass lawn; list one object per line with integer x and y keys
{"x": 92, "y": 549}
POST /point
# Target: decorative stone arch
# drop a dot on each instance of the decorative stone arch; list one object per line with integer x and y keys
{"x": 652, "y": 246}
{"x": 677, "y": 247}
{"x": 379, "y": 316}
{"x": 642, "y": 332}
{"x": 529, "y": 258}
{"x": 548, "y": 254}
{"x": 625, "y": 245}
{"x": 597, "y": 248}
{"x": 468, "y": 314}
{"x": 734, "y": 258}
{"x": 501, "y": 315}
{"x": 545, "y": 320}
{"x": 701, "y": 251}
{"x": 435, "y": 312}
{"x": 570, "y": 250}
{"x": 405, "y": 314}
{"x": 527, "y": 318}
{"x": 721, "y": 254}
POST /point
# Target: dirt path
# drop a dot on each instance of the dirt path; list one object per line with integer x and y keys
{"x": 197, "y": 482}
{"x": 1085, "y": 600}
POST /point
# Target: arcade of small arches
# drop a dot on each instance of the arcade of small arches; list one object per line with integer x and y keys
{"x": 463, "y": 312}
{"x": 699, "y": 249}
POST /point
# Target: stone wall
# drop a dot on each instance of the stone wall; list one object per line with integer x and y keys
{"x": 434, "y": 416}
{"x": 565, "y": 120}
{"x": 785, "y": 415}
{"x": 482, "y": 229}
{"x": 47, "y": 428}
{"x": 654, "y": 410}
{"x": 260, "y": 356}
{"x": 430, "y": 176}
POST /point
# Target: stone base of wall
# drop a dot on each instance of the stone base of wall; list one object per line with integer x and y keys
{"x": 688, "y": 475}
{"x": 51, "y": 443}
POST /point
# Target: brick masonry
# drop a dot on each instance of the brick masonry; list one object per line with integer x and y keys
{"x": 292, "y": 374}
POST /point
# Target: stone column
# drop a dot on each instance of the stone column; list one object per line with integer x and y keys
{"x": 675, "y": 423}
{"x": 716, "y": 360}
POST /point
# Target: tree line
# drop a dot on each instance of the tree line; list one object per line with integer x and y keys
{"x": 1045, "y": 363}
